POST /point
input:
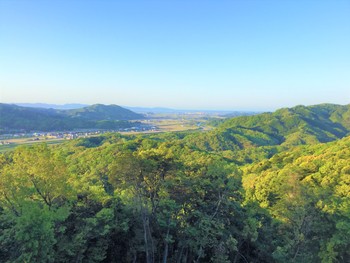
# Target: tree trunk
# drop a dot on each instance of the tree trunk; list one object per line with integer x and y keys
{"x": 180, "y": 255}
{"x": 150, "y": 240}
{"x": 166, "y": 247}
{"x": 146, "y": 240}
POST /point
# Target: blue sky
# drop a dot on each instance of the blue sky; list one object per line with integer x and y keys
{"x": 254, "y": 55}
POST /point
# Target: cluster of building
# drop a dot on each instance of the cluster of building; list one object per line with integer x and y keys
{"x": 36, "y": 136}
{"x": 5, "y": 143}
{"x": 69, "y": 135}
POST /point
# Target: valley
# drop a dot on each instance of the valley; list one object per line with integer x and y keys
{"x": 264, "y": 188}
{"x": 48, "y": 131}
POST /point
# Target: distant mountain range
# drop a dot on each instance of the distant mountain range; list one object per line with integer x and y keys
{"x": 142, "y": 110}
{"x": 53, "y": 106}
{"x": 14, "y": 117}
{"x": 159, "y": 110}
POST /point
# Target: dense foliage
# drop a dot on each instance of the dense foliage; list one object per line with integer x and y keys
{"x": 307, "y": 193}
{"x": 166, "y": 198}
{"x": 98, "y": 116}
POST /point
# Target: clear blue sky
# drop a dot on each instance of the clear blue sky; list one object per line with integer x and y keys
{"x": 181, "y": 54}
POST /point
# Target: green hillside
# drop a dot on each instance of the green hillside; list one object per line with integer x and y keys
{"x": 284, "y": 127}
{"x": 13, "y": 117}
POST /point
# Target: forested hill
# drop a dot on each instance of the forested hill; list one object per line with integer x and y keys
{"x": 100, "y": 112}
{"x": 13, "y": 117}
{"x": 285, "y": 127}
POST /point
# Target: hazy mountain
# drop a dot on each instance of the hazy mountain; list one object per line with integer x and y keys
{"x": 142, "y": 110}
{"x": 159, "y": 110}
{"x": 53, "y": 106}
{"x": 151, "y": 110}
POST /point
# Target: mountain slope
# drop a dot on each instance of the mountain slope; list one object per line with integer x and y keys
{"x": 285, "y": 127}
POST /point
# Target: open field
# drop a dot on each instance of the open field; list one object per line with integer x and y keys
{"x": 167, "y": 125}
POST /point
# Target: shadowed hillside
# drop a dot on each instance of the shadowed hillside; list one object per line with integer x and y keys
{"x": 13, "y": 117}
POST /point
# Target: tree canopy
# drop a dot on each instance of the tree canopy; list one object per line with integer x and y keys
{"x": 234, "y": 194}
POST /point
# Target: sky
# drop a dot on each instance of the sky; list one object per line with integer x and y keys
{"x": 222, "y": 55}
